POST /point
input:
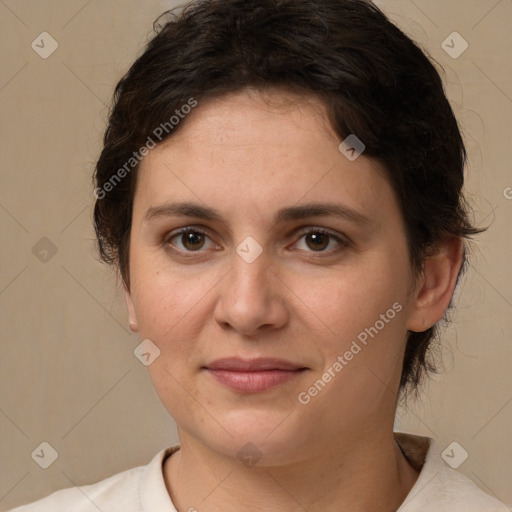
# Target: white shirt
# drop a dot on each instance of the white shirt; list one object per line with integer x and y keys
{"x": 142, "y": 489}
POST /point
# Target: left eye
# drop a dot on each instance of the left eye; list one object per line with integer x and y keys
{"x": 319, "y": 240}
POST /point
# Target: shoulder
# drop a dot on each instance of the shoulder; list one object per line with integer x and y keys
{"x": 122, "y": 491}
{"x": 464, "y": 491}
{"x": 440, "y": 488}
{"x": 120, "y": 488}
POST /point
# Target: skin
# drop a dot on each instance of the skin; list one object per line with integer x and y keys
{"x": 247, "y": 156}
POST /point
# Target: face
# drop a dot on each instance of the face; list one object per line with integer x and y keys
{"x": 273, "y": 275}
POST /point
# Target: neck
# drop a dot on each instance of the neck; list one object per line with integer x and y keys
{"x": 367, "y": 473}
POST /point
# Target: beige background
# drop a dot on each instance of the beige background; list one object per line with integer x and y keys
{"x": 68, "y": 375}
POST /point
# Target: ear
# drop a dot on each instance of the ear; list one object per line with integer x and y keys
{"x": 436, "y": 284}
{"x": 132, "y": 317}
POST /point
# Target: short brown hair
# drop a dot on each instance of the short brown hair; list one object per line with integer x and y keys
{"x": 374, "y": 81}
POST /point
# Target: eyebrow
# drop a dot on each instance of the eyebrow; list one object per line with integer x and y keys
{"x": 290, "y": 213}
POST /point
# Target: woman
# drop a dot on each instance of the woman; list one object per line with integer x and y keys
{"x": 280, "y": 189}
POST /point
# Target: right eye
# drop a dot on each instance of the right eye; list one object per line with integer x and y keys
{"x": 191, "y": 240}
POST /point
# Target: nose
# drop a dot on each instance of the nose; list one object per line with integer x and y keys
{"x": 251, "y": 298}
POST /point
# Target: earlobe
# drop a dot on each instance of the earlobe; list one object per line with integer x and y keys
{"x": 436, "y": 285}
{"x": 132, "y": 318}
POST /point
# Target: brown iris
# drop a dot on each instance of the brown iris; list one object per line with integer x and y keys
{"x": 192, "y": 241}
{"x": 320, "y": 240}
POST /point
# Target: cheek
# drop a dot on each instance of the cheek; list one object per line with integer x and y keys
{"x": 347, "y": 302}
{"x": 363, "y": 318}
{"x": 170, "y": 312}
{"x": 161, "y": 294}
{"x": 161, "y": 303}
{"x": 172, "y": 309}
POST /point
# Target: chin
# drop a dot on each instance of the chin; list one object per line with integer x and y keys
{"x": 271, "y": 438}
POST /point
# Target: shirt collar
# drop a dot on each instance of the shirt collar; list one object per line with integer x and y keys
{"x": 154, "y": 496}
{"x": 421, "y": 452}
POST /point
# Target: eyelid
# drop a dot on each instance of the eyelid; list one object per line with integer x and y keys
{"x": 326, "y": 231}
{"x": 185, "y": 229}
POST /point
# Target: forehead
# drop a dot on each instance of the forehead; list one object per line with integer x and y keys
{"x": 246, "y": 121}
{"x": 246, "y": 148}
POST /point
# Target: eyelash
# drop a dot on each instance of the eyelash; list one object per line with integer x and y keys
{"x": 190, "y": 229}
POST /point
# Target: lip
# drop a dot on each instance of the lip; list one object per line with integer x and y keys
{"x": 237, "y": 364}
{"x": 253, "y": 375}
